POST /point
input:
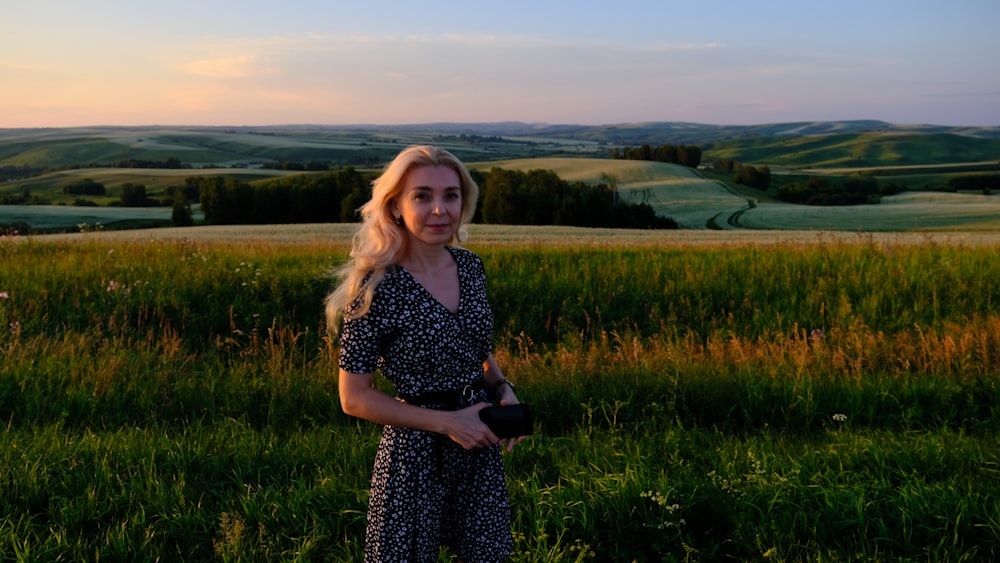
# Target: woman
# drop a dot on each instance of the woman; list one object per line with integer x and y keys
{"x": 414, "y": 308}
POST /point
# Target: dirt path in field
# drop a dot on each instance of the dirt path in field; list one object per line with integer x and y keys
{"x": 732, "y": 219}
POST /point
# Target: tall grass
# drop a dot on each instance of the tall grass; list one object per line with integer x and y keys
{"x": 749, "y": 293}
{"x": 827, "y": 401}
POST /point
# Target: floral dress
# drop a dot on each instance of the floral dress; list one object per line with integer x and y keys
{"x": 428, "y": 491}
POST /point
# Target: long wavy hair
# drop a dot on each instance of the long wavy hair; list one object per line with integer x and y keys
{"x": 379, "y": 242}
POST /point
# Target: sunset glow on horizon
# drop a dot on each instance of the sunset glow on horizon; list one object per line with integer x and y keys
{"x": 115, "y": 62}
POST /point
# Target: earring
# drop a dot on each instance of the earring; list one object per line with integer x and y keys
{"x": 399, "y": 220}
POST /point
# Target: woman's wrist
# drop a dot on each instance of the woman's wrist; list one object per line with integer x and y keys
{"x": 497, "y": 388}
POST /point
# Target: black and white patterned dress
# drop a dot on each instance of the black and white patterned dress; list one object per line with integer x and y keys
{"x": 428, "y": 491}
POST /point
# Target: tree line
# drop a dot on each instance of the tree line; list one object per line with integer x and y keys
{"x": 685, "y": 155}
{"x": 819, "y": 190}
{"x": 984, "y": 183}
{"x": 541, "y": 197}
{"x": 536, "y": 197}
{"x": 332, "y": 197}
{"x": 171, "y": 163}
{"x": 15, "y": 172}
{"x": 129, "y": 195}
{"x": 755, "y": 177}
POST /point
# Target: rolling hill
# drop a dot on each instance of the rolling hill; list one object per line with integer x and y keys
{"x": 916, "y": 156}
{"x": 806, "y": 144}
{"x": 868, "y": 149}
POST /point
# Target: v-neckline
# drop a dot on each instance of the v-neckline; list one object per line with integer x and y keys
{"x": 429, "y": 293}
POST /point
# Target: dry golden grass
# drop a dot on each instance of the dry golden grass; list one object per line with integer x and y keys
{"x": 339, "y": 235}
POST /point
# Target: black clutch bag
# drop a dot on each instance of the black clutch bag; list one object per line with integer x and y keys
{"x": 508, "y": 421}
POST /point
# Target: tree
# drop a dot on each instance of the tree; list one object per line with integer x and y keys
{"x": 85, "y": 186}
{"x": 134, "y": 195}
{"x": 501, "y": 197}
{"x": 350, "y": 204}
{"x": 759, "y": 178}
{"x": 181, "y": 214}
{"x": 689, "y": 156}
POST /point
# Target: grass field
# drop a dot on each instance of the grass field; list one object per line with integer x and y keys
{"x": 156, "y": 180}
{"x": 506, "y": 235}
{"x": 44, "y": 217}
{"x": 903, "y": 212}
{"x": 168, "y": 394}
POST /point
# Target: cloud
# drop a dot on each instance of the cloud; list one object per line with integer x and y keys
{"x": 241, "y": 66}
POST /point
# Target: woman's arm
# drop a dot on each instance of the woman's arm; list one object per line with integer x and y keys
{"x": 494, "y": 379}
{"x": 502, "y": 393}
{"x": 359, "y": 398}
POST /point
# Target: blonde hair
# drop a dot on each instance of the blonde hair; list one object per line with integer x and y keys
{"x": 379, "y": 242}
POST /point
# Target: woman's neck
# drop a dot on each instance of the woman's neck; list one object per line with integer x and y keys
{"x": 426, "y": 259}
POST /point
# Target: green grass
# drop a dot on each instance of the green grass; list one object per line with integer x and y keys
{"x": 157, "y": 181}
{"x": 818, "y": 400}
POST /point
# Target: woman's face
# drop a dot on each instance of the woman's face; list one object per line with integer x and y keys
{"x": 431, "y": 204}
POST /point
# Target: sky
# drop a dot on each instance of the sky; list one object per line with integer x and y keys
{"x": 70, "y": 63}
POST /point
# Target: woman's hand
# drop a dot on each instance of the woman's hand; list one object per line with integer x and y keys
{"x": 468, "y": 430}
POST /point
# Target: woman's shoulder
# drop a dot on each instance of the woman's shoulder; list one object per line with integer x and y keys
{"x": 464, "y": 255}
{"x": 469, "y": 262}
{"x": 391, "y": 277}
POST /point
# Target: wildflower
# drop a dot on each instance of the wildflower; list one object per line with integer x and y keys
{"x": 4, "y": 295}
{"x": 817, "y": 335}
{"x": 113, "y": 286}
{"x": 839, "y": 417}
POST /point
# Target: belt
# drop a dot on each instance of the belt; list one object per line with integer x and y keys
{"x": 451, "y": 399}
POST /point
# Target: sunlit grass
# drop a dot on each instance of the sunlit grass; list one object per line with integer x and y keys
{"x": 815, "y": 399}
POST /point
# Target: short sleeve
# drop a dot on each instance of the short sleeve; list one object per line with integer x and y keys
{"x": 359, "y": 344}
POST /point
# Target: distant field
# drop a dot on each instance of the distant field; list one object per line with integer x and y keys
{"x": 909, "y": 211}
{"x": 248, "y": 146}
{"x": 680, "y": 193}
{"x": 51, "y": 184}
{"x": 482, "y": 236}
{"x": 63, "y": 216}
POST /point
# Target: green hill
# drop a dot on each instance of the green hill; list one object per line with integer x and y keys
{"x": 857, "y": 150}
{"x": 798, "y": 145}
{"x": 913, "y": 157}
